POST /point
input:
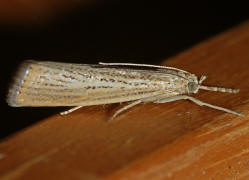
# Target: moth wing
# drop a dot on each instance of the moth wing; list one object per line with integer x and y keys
{"x": 40, "y": 83}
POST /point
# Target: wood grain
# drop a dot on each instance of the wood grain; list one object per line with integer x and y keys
{"x": 177, "y": 140}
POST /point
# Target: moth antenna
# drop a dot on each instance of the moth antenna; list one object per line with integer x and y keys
{"x": 219, "y": 89}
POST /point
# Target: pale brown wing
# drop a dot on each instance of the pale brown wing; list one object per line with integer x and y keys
{"x": 61, "y": 84}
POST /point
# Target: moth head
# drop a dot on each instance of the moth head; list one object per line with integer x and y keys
{"x": 193, "y": 86}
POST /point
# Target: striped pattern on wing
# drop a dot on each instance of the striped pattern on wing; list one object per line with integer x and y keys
{"x": 40, "y": 83}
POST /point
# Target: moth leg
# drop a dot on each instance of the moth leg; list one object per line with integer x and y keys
{"x": 70, "y": 110}
{"x": 197, "y": 101}
{"x": 134, "y": 103}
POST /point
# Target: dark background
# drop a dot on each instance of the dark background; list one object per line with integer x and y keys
{"x": 108, "y": 31}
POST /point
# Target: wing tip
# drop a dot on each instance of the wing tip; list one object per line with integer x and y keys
{"x": 16, "y": 83}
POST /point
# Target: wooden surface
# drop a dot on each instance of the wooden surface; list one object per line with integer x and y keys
{"x": 177, "y": 140}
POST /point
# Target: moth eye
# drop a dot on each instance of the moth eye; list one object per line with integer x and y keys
{"x": 192, "y": 86}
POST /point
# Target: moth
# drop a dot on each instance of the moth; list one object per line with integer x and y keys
{"x": 45, "y": 83}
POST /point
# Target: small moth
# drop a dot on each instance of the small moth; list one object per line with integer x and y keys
{"x": 45, "y": 83}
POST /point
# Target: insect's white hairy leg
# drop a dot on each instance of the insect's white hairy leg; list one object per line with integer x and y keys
{"x": 134, "y": 103}
{"x": 197, "y": 101}
{"x": 70, "y": 110}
